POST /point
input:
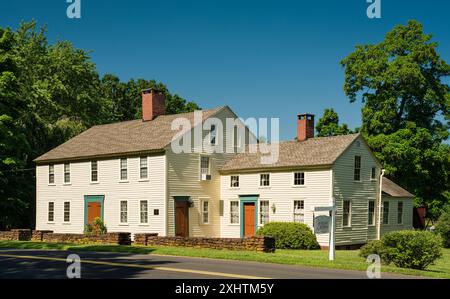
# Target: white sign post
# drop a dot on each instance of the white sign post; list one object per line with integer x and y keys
{"x": 331, "y": 225}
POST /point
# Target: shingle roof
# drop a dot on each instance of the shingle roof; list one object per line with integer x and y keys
{"x": 311, "y": 152}
{"x": 394, "y": 190}
{"x": 120, "y": 138}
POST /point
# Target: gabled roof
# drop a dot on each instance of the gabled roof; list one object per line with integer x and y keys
{"x": 318, "y": 151}
{"x": 135, "y": 136}
{"x": 392, "y": 189}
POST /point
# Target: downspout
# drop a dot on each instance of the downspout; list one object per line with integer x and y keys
{"x": 380, "y": 192}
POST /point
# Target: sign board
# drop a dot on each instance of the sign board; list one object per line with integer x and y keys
{"x": 322, "y": 224}
{"x": 325, "y": 209}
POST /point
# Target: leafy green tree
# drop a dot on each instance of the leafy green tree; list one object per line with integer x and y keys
{"x": 405, "y": 114}
{"x": 328, "y": 125}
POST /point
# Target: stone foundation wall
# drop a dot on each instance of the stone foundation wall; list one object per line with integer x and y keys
{"x": 16, "y": 235}
{"x": 109, "y": 238}
{"x": 264, "y": 244}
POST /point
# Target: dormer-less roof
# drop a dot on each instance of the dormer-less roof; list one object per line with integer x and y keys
{"x": 392, "y": 189}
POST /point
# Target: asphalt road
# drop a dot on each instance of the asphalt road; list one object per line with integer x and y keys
{"x": 40, "y": 264}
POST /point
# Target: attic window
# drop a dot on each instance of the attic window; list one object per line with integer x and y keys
{"x": 213, "y": 135}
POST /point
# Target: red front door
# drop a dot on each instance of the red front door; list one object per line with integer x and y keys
{"x": 249, "y": 219}
{"x": 181, "y": 219}
{"x": 94, "y": 211}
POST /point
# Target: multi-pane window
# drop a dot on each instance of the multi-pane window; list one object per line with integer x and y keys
{"x": 204, "y": 165}
{"x": 371, "y": 214}
{"x": 51, "y": 212}
{"x": 234, "y": 212}
{"x": 67, "y": 173}
{"x": 264, "y": 179}
{"x": 357, "y": 169}
{"x": 123, "y": 169}
{"x": 400, "y": 212}
{"x": 299, "y": 211}
{"x": 213, "y": 135}
{"x": 123, "y": 211}
{"x": 51, "y": 174}
{"x": 373, "y": 174}
{"x": 299, "y": 178}
{"x": 143, "y": 168}
{"x": 144, "y": 211}
{"x": 94, "y": 171}
{"x": 66, "y": 211}
{"x": 385, "y": 212}
{"x": 346, "y": 215}
{"x": 205, "y": 212}
{"x": 234, "y": 179}
{"x": 264, "y": 212}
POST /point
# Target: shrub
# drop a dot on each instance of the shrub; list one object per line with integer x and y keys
{"x": 96, "y": 228}
{"x": 406, "y": 249}
{"x": 443, "y": 227}
{"x": 290, "y": 235}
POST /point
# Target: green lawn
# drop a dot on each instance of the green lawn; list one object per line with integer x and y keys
{"x": 345, "y": 259}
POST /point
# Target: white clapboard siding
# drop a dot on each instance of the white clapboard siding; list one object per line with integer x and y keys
{"x": 133, "y": 190}
{"x": 316, "y": 192}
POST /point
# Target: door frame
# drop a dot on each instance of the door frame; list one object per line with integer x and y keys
{"x": 185, "y": 199}
{"x": 93, "y": 198}
{"x": 248, "y": 199}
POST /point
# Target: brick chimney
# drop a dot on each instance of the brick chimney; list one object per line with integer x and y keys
{"x": 305, "y": 127}
{"x": 153, "y": 104}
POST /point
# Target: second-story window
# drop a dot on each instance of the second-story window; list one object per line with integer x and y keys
{"x": 123, "y": 169}
{"x": 204, "y": 165}
{"x": 67, "y": 173}
{"x": 264, "y": 180}
{"x": 51, "y": 174}
{"x": 213, "y": 135}
{"x": 357, "y": 169}
{"x": 94, "y": 171}
{"x": 234, "y": 181}
{"x": 373, "y": 174}
{"x": 143, "y": 168}
{"x": 299, "y": 178}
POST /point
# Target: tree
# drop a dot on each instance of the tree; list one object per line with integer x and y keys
{"x": 328, "y": 125}
{"x": 406, "y": 109}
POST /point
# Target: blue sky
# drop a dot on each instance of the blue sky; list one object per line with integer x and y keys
{"x": 262, "y": 58}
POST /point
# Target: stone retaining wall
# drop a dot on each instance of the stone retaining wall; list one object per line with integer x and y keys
{"x": 264, "y": 244}
{"x": 16, "y": 235}
{"x": 109, "y": 238}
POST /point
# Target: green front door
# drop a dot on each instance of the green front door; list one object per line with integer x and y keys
{"x": 93, "y": 207}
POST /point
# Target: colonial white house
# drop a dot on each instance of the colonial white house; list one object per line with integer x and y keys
{"x": 128, "y": 174}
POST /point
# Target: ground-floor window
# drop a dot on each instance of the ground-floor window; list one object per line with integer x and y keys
{"x": 234, "y": 212}
{"x": 400, "y": 213}
{"x": 385, "y": 212}
{"x": 144, "y": 211}
{"x": 346, "y": 215}
{"x": 51, "y": 212}
{"x": 299, "y": 211}
{"x": 371, "y": 215}
{"x": 67, "y": 211}
{"x": 205, "y": 212}
{"x": 264, "y": 212}
{"x": 123, "y": 212}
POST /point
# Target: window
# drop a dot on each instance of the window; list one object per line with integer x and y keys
{"x": 123, "y": 169}
{"x": 123, "y": 212}
{"x": 385, "y": 212}
{"x": 51, "y": 212}
{"x": 234, "y": 212}
{"x": 400, "y": 212}
{"x": 299, "y": 178}
{"x": 67, "y": 173}
{"x": 357, "y": 170}
{"x": 213, "y": 135}
{"x": 143, "y": 168}
{"x": 51, "y": 174}
{"x": 144, "y": 211}
{"x": 204, "y": 165}
{"x": 205, "y": 212}
{"x": 156, "y": 212}
{"x": 373, "y": 175}
{"x": 371, "y": 215}
{"x": 94, "y": 171}
{"x": 234, "y": 179}
{"x": 264, "y": 180}
{"x": 67, "y": 211}
{"x": 264, "y": 212}
{"x": 346, "y": 215}
{"x": 299, "y": 211}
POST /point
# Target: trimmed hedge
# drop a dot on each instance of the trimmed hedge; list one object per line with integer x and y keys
{"x": 406, "y": 249}
{"x": 290, "y": 235}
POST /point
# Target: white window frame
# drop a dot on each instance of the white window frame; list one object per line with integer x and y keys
{"x": 141, "y": 168}
{"x": 260, "y": 180}
{"x": 372, "y": 171}
{"x": 349, "y": 224}
{"x": 238, "y": 181}
{"x": 209, "y": 165}
{"x": 400, "y": 215}
{"x": 52, "y": 211}
{"x": 121, "y": 169}
{"x": 238, "y": 212}
{"x": 67, "y": 172}
{"x": 298, "y": 211}
{"x": 141, "y": 212}
{"x": 260, "y": 212}
{"x": 64, "y": 211}
{"x": 213, "y": 135}
{"x": 293, "y": 179}
{"x": 92, "y": 171}
{"x": 125, "y": 212}
{"x": 369, "y": 213}
{"x": 357, "y": 168}
{"x": 203, "y": 212}
{"x": 51, "y": 174}
{"x": 385, "y": 220}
